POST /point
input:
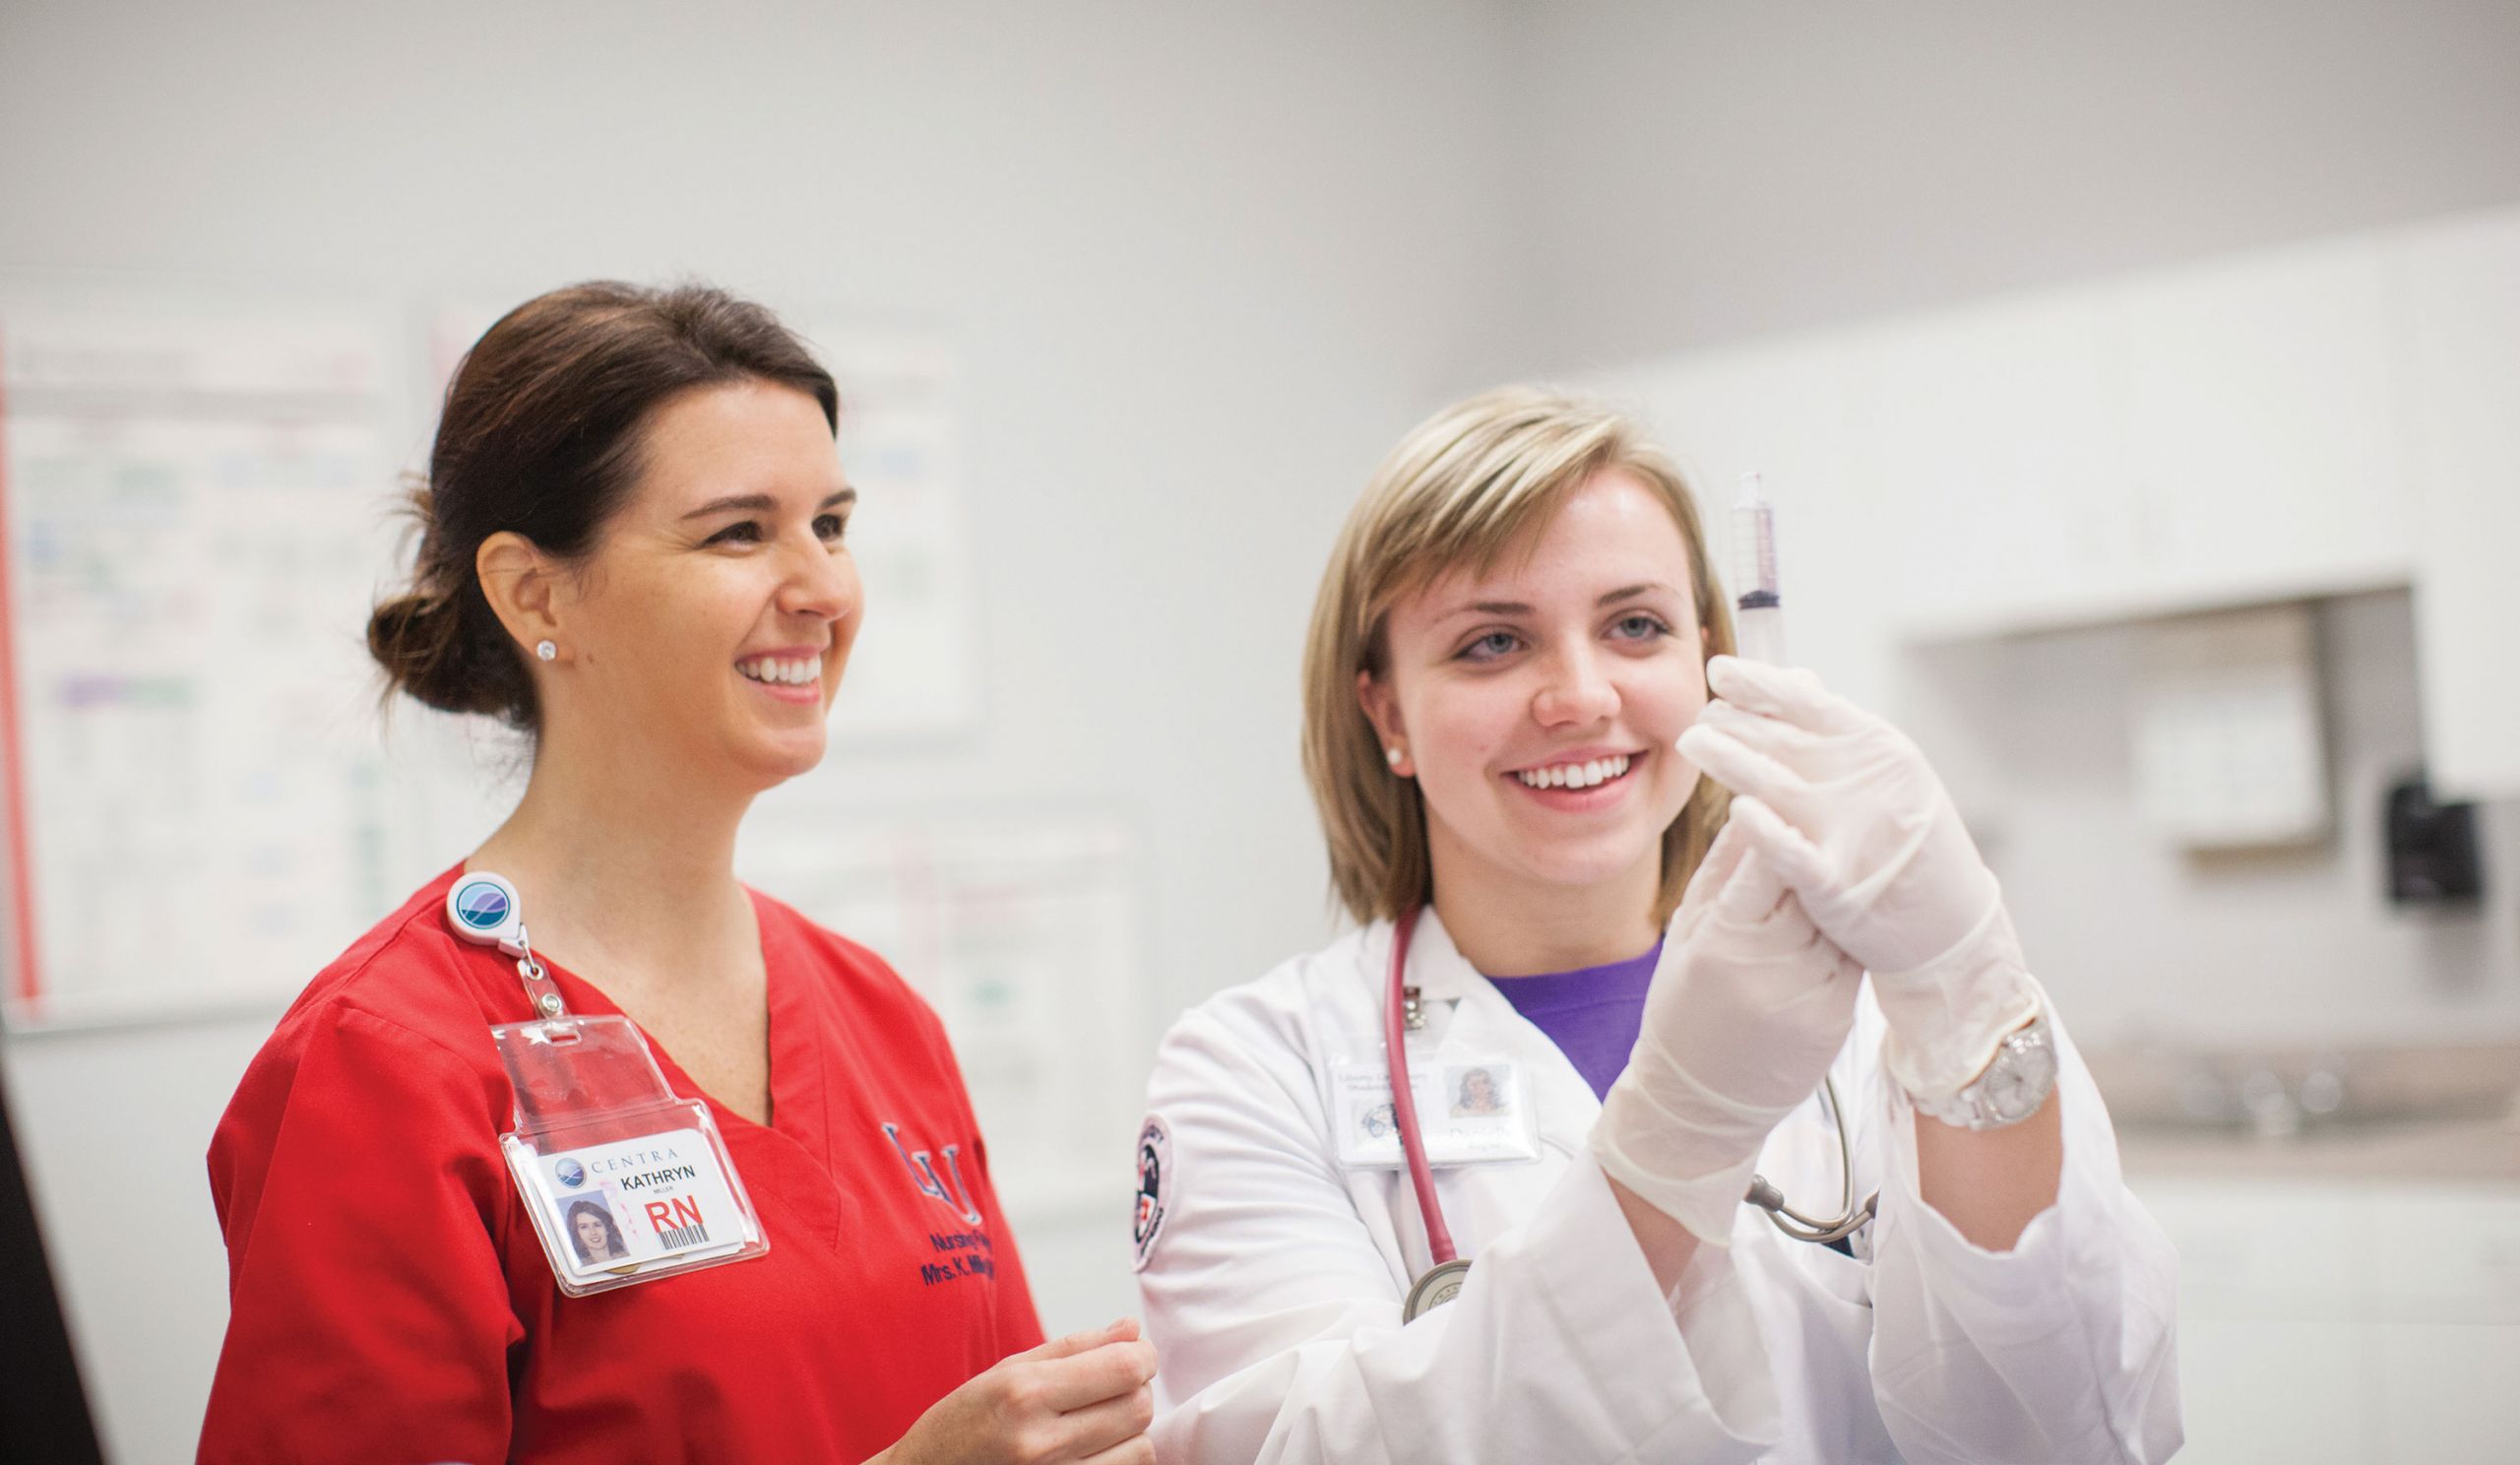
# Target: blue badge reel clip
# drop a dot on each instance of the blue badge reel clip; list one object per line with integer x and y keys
{"x": 626, "y": 1180}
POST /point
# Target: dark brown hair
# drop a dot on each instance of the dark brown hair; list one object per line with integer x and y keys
{"x": 540, "y": 436}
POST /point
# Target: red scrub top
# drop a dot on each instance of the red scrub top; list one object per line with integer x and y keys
{"x": 390, "y": 1301}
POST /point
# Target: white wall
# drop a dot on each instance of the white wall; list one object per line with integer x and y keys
{"x": 1204, "y": 263}
{"x": 1730, "y": 170}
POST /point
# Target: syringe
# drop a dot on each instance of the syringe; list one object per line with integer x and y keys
{"x": 1758, "y": 609}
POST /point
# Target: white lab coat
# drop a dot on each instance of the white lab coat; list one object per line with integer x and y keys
{"x": 1274, "y": 1282}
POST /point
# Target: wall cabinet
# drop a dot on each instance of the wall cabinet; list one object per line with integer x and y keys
{"x": 2332, "y": 1322}
{"x": 2463, "y": 398}
{"x": 1782, "y": 412}
{"x": 2293, "y": 1389}
{"x": 2446, "y": 1392}
{"x": 2261, "y": 434}
{"x": 1993, "y": 459}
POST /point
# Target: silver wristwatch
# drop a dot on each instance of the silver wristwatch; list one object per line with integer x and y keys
{"x": 2018, "y": 1081}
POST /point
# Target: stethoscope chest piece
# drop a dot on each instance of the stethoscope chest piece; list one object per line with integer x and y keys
{"x": 1441, "y": 1285}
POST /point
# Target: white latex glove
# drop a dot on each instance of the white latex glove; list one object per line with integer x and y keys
{"x": 1749, "y": 1003}
{"x": 1852, "y": 816}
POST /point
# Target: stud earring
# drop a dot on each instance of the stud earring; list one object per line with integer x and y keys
{"x": 547, "y": 651}
{"x": 1391, "y": 755}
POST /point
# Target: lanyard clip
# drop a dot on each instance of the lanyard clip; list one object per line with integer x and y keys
{"x": 483, "y": 909}
{"x": 1413, "y": 1011}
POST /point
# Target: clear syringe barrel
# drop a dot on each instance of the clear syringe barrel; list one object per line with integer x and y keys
{"x": 1758, "y": 603}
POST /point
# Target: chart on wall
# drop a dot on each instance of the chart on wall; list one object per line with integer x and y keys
{"x": 911, "y": 677}
{"x": 1023, "y": 936}
{"x": 195, "y": 513}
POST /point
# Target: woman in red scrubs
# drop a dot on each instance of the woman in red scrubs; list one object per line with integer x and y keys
{"x": 633, "y": 550}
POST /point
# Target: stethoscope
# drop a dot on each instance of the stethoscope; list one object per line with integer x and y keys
{"x": 1443, "y": 1282}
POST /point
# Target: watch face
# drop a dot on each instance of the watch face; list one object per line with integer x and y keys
{"x": 2023, "y": 1076}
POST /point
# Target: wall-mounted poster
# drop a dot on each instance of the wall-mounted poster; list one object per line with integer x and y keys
{"x": 1021, "y": 935}
{"x": 193, "y": 508}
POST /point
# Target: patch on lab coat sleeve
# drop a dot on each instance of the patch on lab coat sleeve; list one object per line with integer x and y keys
{"x": 1157, "y": 1181}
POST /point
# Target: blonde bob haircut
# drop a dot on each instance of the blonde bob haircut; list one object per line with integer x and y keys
{"x": 1459, "y": 492}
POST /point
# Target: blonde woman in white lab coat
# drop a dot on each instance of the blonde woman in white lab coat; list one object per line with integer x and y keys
{"x": 1517, "y": 629}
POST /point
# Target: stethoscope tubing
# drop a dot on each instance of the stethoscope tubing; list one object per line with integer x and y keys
{"x": 1403, "y": 1103}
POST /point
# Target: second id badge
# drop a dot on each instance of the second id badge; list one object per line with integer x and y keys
{"x": 626, "y": 1180}
{"x": 1472, "y": 1109}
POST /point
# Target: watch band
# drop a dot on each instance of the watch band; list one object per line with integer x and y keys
{"x": 2013, "y": 1087}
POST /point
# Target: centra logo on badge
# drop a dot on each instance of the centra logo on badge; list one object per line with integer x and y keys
{"x": 482, "y": 906}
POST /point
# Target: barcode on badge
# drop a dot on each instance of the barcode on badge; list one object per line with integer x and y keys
{"x": 683, "y": 1236}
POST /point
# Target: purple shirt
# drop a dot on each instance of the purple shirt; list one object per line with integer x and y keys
{"x": 1592, "y": 1014}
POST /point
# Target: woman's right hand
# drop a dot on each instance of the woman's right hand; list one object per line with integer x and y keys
{"x": 1749, "y": 1005}
{"x": 1083, "y": 1398}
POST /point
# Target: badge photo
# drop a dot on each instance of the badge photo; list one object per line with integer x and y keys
{"x": 593, "y": 1226}
{"x": 1479, "y": 1091}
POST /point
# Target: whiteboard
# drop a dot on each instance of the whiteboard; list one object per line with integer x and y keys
{"x": 191, "y": 505}
{"x": 912, "y": 679}
{"x": 1022, "y": 935}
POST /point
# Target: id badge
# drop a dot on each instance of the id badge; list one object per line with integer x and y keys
{"x": 1472, "y": 1109}
{"x": 626, "y": 1181}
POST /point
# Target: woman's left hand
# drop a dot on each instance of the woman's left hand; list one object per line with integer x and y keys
{"x": 1853, "y": 818}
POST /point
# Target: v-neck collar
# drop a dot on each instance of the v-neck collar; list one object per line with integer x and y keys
{"x": 798, "y": 1098}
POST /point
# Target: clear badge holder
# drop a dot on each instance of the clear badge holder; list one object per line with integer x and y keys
{"x": 1473, "y": 1107}
{"x": 625, "y": 1180}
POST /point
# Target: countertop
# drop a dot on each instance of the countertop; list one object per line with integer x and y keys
{"x": 2473, "y": 1152}
{"x": 2437, "y": 1114}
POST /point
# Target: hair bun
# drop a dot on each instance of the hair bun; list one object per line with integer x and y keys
{"x": 410, "y": 636}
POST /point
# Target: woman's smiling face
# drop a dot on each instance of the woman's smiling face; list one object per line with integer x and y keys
{"x": 713, "y": 621}
{"x": 1536, "y": 703}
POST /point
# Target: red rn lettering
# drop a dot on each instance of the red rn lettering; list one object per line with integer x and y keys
{"x": 686, "y": 1212}
{"x": 660, "y": 1215}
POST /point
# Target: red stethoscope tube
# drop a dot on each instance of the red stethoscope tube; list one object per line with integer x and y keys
{"x": 1404, "y": 1104}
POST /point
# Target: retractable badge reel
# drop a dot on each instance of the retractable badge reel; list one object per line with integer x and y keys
{"x": 626, "y": 1180}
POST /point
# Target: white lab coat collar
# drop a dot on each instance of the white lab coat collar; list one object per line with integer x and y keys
{"x": 1436, "y": 967}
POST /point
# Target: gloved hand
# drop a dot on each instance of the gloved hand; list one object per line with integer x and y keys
{"x": 1850, "y": 814}
{"x": 1749, "y": 1003}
